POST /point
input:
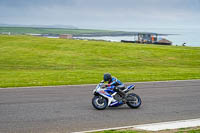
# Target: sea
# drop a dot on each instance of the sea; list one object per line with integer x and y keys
{"x": 179, "y": 36}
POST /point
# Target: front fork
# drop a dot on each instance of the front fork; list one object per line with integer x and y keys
{"x": 109, "y": 99}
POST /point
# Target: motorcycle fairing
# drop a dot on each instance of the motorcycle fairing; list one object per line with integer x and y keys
{"x": 109, "y": 93}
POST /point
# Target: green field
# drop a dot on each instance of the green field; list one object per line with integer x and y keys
{"x": 37, "y": 61}
{"x": 54, "y": 31}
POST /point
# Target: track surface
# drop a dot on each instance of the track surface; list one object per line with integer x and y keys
{"x": 64, "y": 109}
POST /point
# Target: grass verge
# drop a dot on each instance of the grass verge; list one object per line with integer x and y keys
{"x": 184, "y": 130}
{"x": 37, "y": 61}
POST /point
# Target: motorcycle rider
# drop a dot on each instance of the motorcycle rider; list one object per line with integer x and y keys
{"x": 112, "y": 81}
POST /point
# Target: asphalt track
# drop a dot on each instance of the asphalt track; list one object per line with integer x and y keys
{"x": 64, "y": 109}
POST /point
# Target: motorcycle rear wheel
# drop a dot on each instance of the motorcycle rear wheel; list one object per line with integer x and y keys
{"x": 133, "y": 100}
{"x": 99, "y": 102}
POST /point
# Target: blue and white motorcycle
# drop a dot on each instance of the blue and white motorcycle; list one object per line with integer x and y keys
{"x": 106, "y": 97}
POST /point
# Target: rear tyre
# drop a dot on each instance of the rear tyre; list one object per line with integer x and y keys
{"x": 99, "y": 102}
{"x": 133, "y": 100}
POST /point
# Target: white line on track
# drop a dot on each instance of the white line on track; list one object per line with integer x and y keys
{"x": 156, "y": 126}
{"x": 169, "y": 125}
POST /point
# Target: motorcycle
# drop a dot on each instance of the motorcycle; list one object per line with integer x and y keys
{"x": 107, "y": 97}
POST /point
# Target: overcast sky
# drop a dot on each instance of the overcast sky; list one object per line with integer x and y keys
{"x": 99, "y": 14}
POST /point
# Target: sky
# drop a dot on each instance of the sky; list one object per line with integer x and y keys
{"x": 102, "y": 14}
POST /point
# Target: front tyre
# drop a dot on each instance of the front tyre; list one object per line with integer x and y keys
{"x": 99, "y": 102}
{"x": 133, "y": 100}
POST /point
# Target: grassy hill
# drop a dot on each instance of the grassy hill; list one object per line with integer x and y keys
{"x": 37, "y": 61}
{"x": 55, "y": 31}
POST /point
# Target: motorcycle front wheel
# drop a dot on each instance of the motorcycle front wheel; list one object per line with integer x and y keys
{"x": 133, "y": 100}
{"x": 99, "y": 102}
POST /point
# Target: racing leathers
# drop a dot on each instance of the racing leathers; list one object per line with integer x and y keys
{"x": 117, "y": 86}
